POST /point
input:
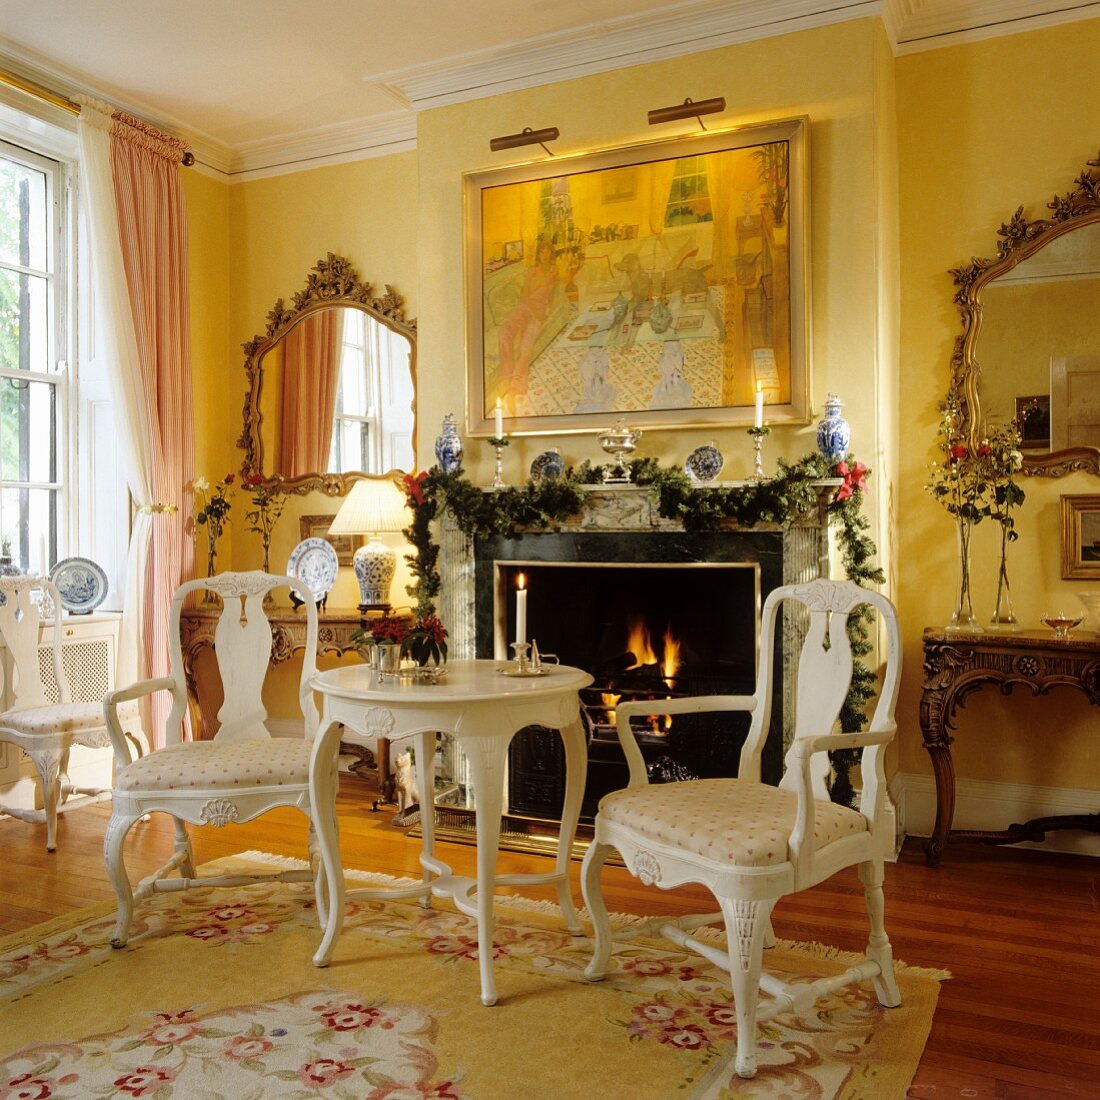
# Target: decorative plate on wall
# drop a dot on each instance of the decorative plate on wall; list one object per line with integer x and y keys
{"x": 81, "y": 584}
{"x": 313, "y": 561}
{"x": 548, "y": 465}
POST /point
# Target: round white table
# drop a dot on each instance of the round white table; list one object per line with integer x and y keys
{"x": 482, "y": 708}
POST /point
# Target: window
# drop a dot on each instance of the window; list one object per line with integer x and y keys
{"x": 63, "y": 489}
{"x": 373, "y": 424}
{"x": 689, "y": 195}
{"x": 33, "y": 353}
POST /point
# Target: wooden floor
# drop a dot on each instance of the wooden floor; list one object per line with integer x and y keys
{"x": 1020, "y": 930}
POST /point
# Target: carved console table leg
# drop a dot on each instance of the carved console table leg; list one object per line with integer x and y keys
{"x": 938, "y": 743}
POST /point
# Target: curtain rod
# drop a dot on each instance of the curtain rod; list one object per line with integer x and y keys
{"x": 60, "y": 102}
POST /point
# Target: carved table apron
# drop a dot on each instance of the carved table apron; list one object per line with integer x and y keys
{"x": 955, "y": 665}
{"x": 483, "y": 710}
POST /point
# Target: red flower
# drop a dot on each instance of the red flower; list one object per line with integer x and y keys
{"x": 230, "y": 478}
{"x": 957, "y": 451}
{"x": 985, "y": 449}
{"x": 26, "y": 1087}
{"x": 414, "y": 488}
{"x": 323, "y": 1072}
{"x": 145, "y": 1079}
{"x": 254, "y": 479}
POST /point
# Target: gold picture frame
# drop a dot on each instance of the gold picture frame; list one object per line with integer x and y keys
{"x": 1081, "y": 537}
{"x": 661, "y": 282}
{"x": 316, "y": 527}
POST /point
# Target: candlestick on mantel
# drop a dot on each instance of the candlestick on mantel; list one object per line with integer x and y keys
{"x": 759, "y": 421}
{"x": 521, "y": 610}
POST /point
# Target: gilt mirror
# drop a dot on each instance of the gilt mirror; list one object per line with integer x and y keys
{"x": 1030, "y": 347}
{"x": 331, "y": 385}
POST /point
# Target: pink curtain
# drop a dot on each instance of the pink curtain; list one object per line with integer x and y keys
{"x": 153, "y": 235}
{"x": 311, "y": 370}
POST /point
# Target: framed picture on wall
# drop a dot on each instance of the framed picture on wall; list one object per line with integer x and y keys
{"x": 1033, "y": 418}
{"x": 316, "y": 527}
{"x": 1081, "y": 536}
{"x": 664, "y": 283}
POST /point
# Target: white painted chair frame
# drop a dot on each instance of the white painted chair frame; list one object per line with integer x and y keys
{"x": 747, "y": 894}
{"x": 20, "y": 625}
{"x": 242, "y": 645}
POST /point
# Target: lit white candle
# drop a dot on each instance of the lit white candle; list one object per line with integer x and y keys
{"x": 759, "y": 422}
{"x": 498, "y": 421}
{"x": 521, "y": 609}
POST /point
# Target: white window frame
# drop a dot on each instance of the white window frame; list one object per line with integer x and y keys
{"x": 59, "y": 336}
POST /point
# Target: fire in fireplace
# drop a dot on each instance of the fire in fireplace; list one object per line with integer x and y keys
{"x": 646, "y": 631}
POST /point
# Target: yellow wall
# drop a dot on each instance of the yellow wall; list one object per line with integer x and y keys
{"x": 984, "y": 128}
{"x": 915, "y": 162}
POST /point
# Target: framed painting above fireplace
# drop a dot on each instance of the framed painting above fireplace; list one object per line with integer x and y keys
{"x": 665, "y": 283}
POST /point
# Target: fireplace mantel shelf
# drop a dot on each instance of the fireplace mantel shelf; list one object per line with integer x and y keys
{"x": 631, "y": 487}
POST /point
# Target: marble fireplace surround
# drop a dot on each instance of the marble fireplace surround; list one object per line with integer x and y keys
{"x": 785, "y": 555}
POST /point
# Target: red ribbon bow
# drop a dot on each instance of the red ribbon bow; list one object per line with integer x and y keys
{"x": 414, "y": 488}
{"x": 855, "y": 477}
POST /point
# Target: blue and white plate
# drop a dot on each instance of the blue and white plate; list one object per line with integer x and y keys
{"x": 314, "y": 563}
{"x": 704, "y": 463}
{"x": 548, "y": 465}
{"x": 81, "y": 584}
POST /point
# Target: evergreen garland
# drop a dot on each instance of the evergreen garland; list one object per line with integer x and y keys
{"x": 783, "y": 499}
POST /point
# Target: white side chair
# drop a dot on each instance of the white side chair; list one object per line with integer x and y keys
{"x": 46, "y": 723}
{"x": 751, "y": 843}
{"x": 241, "y": 772}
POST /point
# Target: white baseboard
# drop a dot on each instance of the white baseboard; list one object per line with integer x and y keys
{"x": 990, "y": 804}
{"x": 87, "y": 768}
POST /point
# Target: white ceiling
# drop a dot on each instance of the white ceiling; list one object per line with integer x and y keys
{"x": 259, "y": 85}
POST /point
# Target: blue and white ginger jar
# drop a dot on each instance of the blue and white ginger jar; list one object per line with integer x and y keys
{"x": 448, "y": 446}
{"x": 833, "y": 433}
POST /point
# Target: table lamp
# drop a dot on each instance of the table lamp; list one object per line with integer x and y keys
{"x": 374, "y": 505}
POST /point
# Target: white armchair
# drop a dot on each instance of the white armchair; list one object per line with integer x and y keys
{"x": 44, "y": 724}
{"x": 239, "y": 774}
{"x": 751, "y": 843}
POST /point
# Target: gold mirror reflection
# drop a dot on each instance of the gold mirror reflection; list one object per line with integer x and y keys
{"x": 332, "y": 386}
{"x": 1030, "y": 348}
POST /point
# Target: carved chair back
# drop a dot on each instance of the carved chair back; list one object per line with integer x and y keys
{"x": 243, "y": 640}
{"x": 21, "y": 617}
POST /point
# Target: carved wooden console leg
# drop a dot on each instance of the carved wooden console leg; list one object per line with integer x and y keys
{"x": 944, "y": 768}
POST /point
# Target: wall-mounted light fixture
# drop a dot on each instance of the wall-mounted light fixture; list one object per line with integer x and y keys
{"x": 687, "y": 109}
{"x": 526, "y": 136}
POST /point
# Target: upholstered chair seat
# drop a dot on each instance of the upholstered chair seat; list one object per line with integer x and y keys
{"x": 210, "y": 766}
{"x": 730, "y": 821}
{"x": 83, "y": 721}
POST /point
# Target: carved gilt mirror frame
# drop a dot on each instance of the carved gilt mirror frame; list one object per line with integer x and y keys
{"x": 1020, "y": 239}
{"x": 332, "y": 281}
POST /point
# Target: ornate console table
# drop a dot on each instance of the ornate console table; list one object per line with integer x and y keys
{"x": 955, "y": 665}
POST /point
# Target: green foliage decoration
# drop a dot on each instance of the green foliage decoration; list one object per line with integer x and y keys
{"x": 784, "y": 499}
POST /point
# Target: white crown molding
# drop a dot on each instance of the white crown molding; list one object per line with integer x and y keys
{"x": 678, "y": 29}
{"x": 378, "y": 136}
{"x": 931, "y": 26}
{"x": 688, "y": 27}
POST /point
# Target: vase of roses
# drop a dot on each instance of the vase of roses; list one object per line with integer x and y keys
{"x": 268, "y": 501}
{"x": 960, "y": 482}
{"x": 213, "y": 506}
{"x": 1004, "y": 460}
{"x": 387, "y": 641}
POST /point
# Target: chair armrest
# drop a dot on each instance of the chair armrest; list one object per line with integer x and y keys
{"x": 111, "y": 703}
{"x": 805, "y": 747}
{"x": 688, "y": 704}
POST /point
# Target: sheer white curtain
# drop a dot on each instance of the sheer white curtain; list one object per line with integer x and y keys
{"x": 144, "y": 337}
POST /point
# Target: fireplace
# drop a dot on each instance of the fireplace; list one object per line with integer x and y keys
{"x": 616, "y": 568}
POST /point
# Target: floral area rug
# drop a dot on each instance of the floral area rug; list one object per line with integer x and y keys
{"x": 215, "y": 996}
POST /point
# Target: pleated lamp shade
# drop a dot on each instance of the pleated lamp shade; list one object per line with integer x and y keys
{"x": 373, "y": 505}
